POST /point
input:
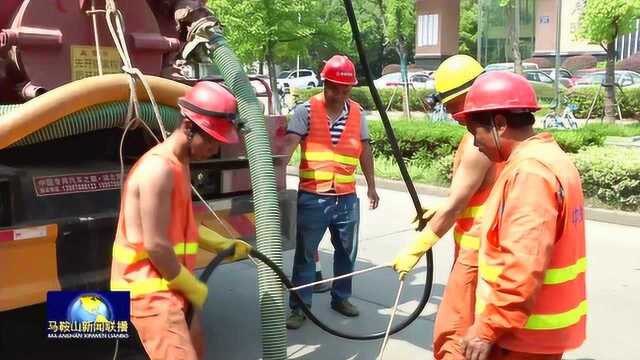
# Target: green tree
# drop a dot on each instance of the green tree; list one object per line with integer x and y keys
{"x": 279, "y": 30}
{"x": 399, "y": 24}
{"x": 601, "y": 23}
{"x": 467, "y": 43}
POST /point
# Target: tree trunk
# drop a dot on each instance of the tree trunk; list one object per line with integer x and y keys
{"x": 515, "y": 45}
{"x": 261, "y": 67}
{"x": 275, "y": 98}
{"x": 508, "y": 41}
{"x": 610, "y": 110}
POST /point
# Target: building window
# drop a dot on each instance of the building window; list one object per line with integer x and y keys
{"x": 428, "y": 30}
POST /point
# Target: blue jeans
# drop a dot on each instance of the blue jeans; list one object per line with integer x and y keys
{"x": 316, "y": 213}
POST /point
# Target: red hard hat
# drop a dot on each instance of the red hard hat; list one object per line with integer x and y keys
{"x": 213, "y": 108}
{"x": 499, "y": 91}
{"x": 340, "y": 70}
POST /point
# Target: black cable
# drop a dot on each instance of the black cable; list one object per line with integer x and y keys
{"x": 206, "y": 274}
{"x": 289, "y": 285}
{"x": 377, "y": 335}
{"x": 412, "y": 192}
{"x": 383, "y": 114}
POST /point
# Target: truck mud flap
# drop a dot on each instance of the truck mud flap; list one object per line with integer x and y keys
{"x": 83, "y": 251}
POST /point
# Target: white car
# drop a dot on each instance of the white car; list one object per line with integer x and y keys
{"x": 510, "y": 67}
{"x": 418, "y": 80}
{"x": 301, "y": 79}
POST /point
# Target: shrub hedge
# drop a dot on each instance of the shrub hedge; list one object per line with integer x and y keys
{"x": 631, "y": 63}
{"x": 611, "y": 175}
{"x": 431, "y": 140}
{"x": 540, "y": 61}
{"x": 582, "y": 97}
{"x": 362, "y": 95}
{"x": 579, "y": 62}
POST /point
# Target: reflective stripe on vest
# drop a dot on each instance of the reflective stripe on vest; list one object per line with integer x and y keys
{"x": 554, "y": 276}
{"x": 140, "y": 287}
{"x": 557, "y": 321}
{"x": 329, "y": 156}
{"x": 548, "y": 321}
{"x": 551, "y": 276}
{"x": 126, "y": 255}
{"x": 472, "y": 212}
{"x": 466, "y": 241}
{"x": 327, "y": 175}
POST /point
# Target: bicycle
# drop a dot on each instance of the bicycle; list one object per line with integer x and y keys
{"x": 565, "y": 121}
{"x": 439, "y": 114}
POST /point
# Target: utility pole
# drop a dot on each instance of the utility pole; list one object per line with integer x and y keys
{"x": 558, "y": 22}
{"x": 480, "y": 29}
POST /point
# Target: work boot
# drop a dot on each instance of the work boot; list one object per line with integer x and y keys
{"x": 345, "y": 308}
{"x": 321, "y": 288}
{"x": 295, "y": 319}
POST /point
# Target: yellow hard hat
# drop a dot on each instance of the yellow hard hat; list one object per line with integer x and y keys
{"x": 455, "y": 76}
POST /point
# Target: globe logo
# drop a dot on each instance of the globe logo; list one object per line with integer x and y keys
{"x": 90, "y": 307}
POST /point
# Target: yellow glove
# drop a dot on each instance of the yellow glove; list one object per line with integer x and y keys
{"x": 427, "y": 215}
{"x": 192, "y": 288}
{"x": 214, "y": 242}
{"x": 410, "y": 255}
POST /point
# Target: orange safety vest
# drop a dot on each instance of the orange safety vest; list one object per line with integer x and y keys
{"x": 131, "y": 269}
{"x": 557, "y": 320}
{"x": 325, "y": 166}
{"x": 467, "y": 231}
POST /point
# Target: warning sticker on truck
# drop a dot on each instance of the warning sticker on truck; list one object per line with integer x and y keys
{"x": 76, "y": 183}
{"x": 84, "y": 62}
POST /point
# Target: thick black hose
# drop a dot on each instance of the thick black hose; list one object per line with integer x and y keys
{"x": 374, "y": 336}
{"x": 206, "y": 274}
{"x": 289, "y": 285}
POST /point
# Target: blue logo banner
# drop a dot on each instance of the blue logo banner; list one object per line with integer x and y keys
{"x": 88, "y": 314}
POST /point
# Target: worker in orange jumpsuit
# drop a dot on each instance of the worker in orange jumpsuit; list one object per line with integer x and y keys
{"x": 530, "y": 298}
{"x": 473, "y": 178}
{"x": 157, "y": 237}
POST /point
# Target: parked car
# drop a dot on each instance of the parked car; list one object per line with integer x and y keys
{"x": 579, "y": 74}
{"x": 623, "y": 78}
{"x": 510, "y": 67}
{"x": 566, "y": 78}
{"x": 301, "y": 79}
{"x": 540, "y": 76}
{"x": 423, "y": 80}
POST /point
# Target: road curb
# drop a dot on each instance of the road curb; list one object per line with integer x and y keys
{"x": 593, "y": 214}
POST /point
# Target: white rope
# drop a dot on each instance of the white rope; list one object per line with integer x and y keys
{"x": 117, "y": 33}
{"x": 393, "y": 314}
{"x": 94, "y": 20}
{"x": 340, "y": 277}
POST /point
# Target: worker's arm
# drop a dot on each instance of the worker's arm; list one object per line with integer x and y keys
{"x": 526, "y": 236}
{"x": 297, "y": 128}
{"x": 366, "y": 163}
{"x": 155, "y": 213}
{"x": 468, "y": 178}
{"x": 291, "y": 141}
